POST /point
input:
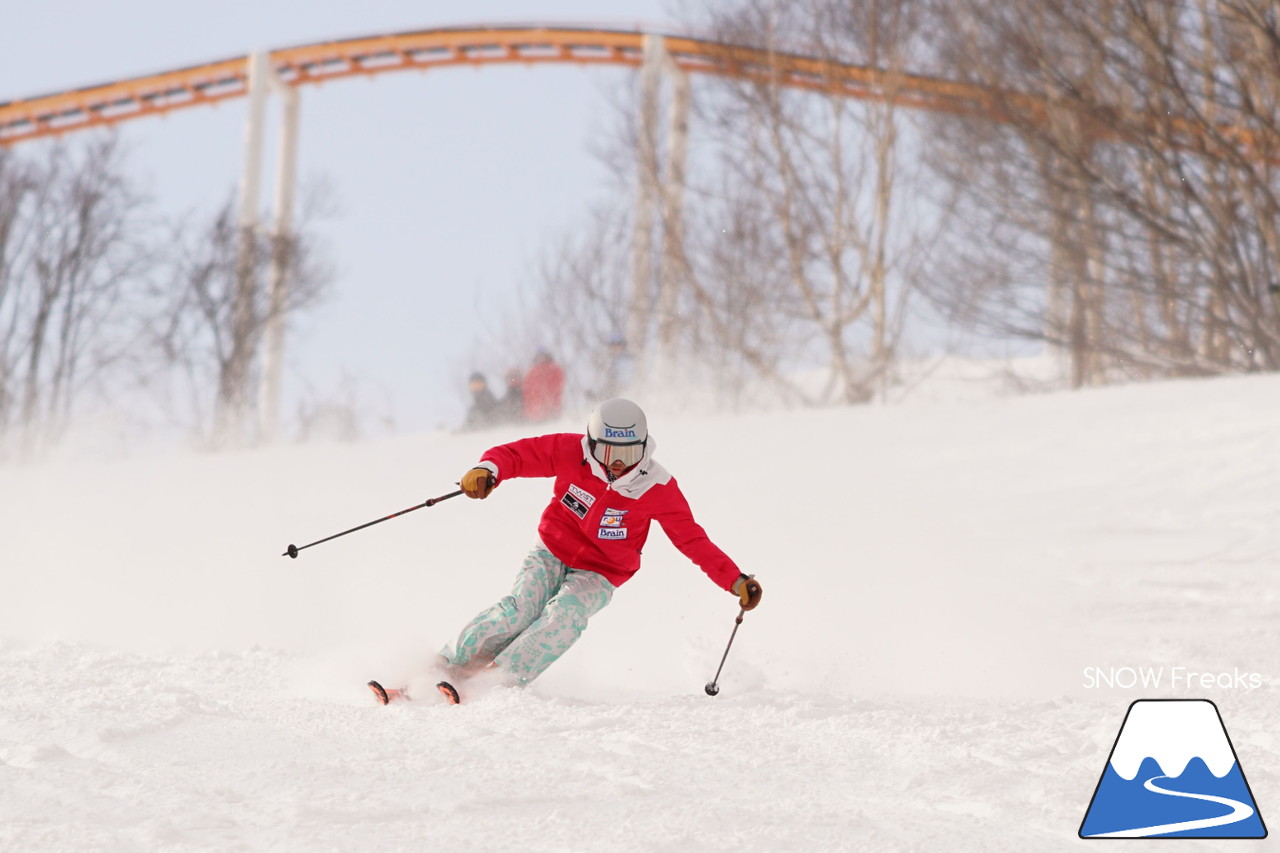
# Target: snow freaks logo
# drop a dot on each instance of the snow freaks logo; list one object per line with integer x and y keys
{"x": 1173, "y": 773}
{"x": 1176, "y": 677}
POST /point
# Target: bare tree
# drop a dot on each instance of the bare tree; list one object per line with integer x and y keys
{"x": 208, "y": 334}
{"x": 577, "y": 307}
{"x": 827, "y": 233}
{"x": 800, "y": 234}
{"x": 1112, "y": 195}
{"x": 1132, "y": 185}
{"x": 71, "y": 252}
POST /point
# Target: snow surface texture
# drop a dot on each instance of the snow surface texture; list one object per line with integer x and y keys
{"x": 938, "y": 576}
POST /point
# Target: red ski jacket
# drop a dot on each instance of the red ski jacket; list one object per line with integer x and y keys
{"x": 543, "y": 391}
{"x": 599, "y": 526}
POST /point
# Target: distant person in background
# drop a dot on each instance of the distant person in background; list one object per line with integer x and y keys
{"x": 620, "y": 368}
{"x": 511, "y": 405}
{"x": 543, "y": 388}
{"x": 484, "y": 410}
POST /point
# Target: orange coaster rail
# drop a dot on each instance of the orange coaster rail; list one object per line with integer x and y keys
{"x": 199, "y": 85}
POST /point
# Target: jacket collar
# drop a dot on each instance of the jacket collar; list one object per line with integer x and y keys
{"x": 639, "y": 479}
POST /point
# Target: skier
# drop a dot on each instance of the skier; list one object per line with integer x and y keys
{"x": 543, "y": 388}
{"x": 608, "y": 489}
{"x": 485, "y": 411}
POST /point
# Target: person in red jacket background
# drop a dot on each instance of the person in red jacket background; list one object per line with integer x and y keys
{"x": 543, "y": 388}
{"x": 608, "y": 490}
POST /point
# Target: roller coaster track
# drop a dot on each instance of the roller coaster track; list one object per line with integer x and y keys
{"x": 209, "y": 83}
{"x": 212, "y": 82}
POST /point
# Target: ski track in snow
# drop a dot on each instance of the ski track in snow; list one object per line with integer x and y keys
{"x": 912, "y": 680}
{"x": 111, "y": 750}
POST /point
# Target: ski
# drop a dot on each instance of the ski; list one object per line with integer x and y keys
{"x": 387, "y": 695}
{"x": 449, "y": 692}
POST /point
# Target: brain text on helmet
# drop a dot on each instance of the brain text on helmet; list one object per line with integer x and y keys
{"x": 616, "y": 432}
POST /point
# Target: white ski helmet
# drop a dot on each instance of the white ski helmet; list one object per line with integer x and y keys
{"x": 617, "y": 429}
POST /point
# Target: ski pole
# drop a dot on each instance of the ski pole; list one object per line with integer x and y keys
{"x": 712, "y": 687}
{"x": 292, "y": 550}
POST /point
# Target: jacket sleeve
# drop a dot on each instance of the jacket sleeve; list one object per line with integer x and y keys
{"x": 530, "y": 457}
{"x": 687, "y": 535}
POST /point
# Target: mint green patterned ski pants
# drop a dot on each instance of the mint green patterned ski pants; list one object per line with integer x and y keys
{"x": 528, "y": 630}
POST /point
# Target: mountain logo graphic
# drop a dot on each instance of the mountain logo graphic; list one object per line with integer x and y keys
{"x": 1173, "y": 773}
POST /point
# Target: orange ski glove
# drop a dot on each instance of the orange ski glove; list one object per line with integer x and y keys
{"x": 477, "y": 483}
{"x": 747, "y": 588}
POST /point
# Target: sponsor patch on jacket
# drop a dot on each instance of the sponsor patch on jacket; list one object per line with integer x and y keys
{"x": 611, "y": 521}
{"x": 575, "y": 506}
{"x": 582, "y": 494}
{"x": 617, "y": 512}
{"x": 612, "y": 533}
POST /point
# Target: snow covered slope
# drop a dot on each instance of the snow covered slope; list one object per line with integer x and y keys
{"x": 943, "y": 581}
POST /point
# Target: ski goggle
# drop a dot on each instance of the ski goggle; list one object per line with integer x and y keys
{"x": 606, "y": 454}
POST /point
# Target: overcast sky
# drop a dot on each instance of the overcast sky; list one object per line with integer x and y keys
{"x": 448, "y": 183}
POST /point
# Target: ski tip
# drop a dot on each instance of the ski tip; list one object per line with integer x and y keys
{"x": 389, "y": 695}
{"x": 449, "y": 692}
